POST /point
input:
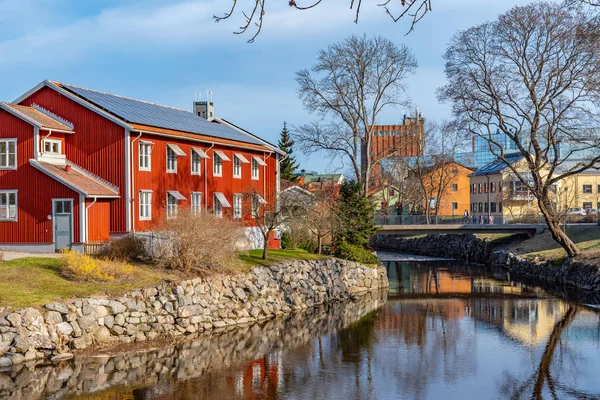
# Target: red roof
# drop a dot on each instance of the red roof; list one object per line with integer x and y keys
{"x": 78, "y": 179}
{"x": 38, "y": 117}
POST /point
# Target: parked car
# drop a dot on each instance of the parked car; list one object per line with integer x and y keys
{"x": 576, "y": 211}
{"x": 592, "y": 211}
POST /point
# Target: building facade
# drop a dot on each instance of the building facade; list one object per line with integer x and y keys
{"x": 81, "y": 165}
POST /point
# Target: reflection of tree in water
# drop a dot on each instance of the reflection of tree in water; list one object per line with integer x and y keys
{"x": 357, "y": 337}
{"x": 543, "y": 378}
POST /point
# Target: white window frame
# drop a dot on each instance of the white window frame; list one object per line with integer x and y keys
{"x": 255, "y": 207}
{"x": 196, "y": 205}
{"x": 193, "y": 156}
{"x": 143, "y": 193}
{"x": 7, "y": 206}
{"x": 145, "y": 155}
{"x": 237, "y": 165}
{"x": 51, "y": 142}
{"x": 217, "y": 207}
{"x": 172, "y": 208}
{"x": 237, "y": 208}
{"x": 174, "y": 169}
{"x": 217, "y": 165}
{"x": 7, "y": 154}
{"x": 255, "y": 170}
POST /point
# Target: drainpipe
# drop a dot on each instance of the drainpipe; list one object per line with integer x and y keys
{"x": 205, "y": 179}
{"x": 131, "y": 204}
{"x": 87, "y": 226}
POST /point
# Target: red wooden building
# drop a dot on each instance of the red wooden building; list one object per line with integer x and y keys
{"x": 78, "y": 166}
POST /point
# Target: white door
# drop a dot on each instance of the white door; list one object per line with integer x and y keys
{"x": 62, "y": 217}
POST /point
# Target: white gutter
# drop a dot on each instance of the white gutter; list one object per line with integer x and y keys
{"x": 205, "y": 179}
{"x": 87, "y": 226}
{"x": 132, "y": 197}
{"x": 36, "y": 142}
{"x": 203, "y": 141}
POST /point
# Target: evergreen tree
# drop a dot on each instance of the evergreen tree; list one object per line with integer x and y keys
{"x": 355, "y": 214}
{"x": 289, "y": 165}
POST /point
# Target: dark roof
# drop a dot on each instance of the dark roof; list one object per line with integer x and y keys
{"x": 145, "y": 113}
{"x": 498, "y": 165}
{"x": 78, "y": 179}
{"x": 45, "y": 121}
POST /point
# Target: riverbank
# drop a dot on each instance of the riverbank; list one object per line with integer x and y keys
{"x": 153, "y": 362}
{"x": 176, "y": 309}
{"x": 573, "y": 275}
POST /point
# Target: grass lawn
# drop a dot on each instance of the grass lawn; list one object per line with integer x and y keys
{"x": 30, "y": 282}
{"x": 253, "y": 257}
{"x": 587, "y": 239}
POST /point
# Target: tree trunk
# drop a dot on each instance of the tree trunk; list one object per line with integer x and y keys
{"x": 266, "y": 246}
{"x": 557, "y": 234}
{"x": 319, "y": 242}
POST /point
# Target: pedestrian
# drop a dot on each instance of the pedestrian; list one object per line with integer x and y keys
{"x": 465, "y": 217}
{"x": 491, "y": 219}
{"x": 474, "y": 219}
{"x": 480, "y": 219}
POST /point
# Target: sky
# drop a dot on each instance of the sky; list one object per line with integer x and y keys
{"x": 169, "y": 51}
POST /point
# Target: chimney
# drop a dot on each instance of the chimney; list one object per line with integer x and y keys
{"x": 67, "y": 168}
{"x": 204, "y": 109}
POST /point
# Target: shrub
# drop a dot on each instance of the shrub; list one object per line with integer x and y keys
{"x": 81, "y": 267}
{"x": 128, "y": 248}
{"x": 355, "y": 253}
{"x": 198, "y": 241}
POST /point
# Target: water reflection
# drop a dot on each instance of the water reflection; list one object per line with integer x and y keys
{"x": 445, "y": 332}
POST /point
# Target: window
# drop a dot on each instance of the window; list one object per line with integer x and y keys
{"x": 587, "y": 205}
{"x": 454, "y": 187}
{"x": 485, "y": 187}
{"x": 237, "y": 205}
{"x": 493, "y": 207}
{"x": 474, "y": 207}
{"x": 217, "y": 165}
{"x": 196, "y": 202}
{"x": 171, "y": 161}
{"x": 195, "y": 163}
{"x": 145, "y": 149}
{"x": 480, "y": 207}
{"x": 500, "y": 188}
{"x": 52, "y": 146}
{"x": 473, "y": 188}
{"x": 587, "y": 189}
{"x": 62, "y": 206}
{"x": 486, "y": 207}
{"x": 598, "y": 189}
{"x": 217, "y": 207}
{"x": 237, "y": 167}
{"x": 499, "y": 206}
{"x": 172, "y": 206}
{"x": 145, "y": 205}
{"x": 8, "y": 154}
{"x": 455, "y": 206}
{"x": 8, "y": 205}
{"x": 454, "y": 171}
{"x": 479, "y": 187}
{"x": 493, "y": 187}
{"x": 254, "y": 168}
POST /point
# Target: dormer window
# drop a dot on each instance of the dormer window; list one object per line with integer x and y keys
{"x": 52, "y": 146}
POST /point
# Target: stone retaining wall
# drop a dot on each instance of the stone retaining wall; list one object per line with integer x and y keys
{"x": 222, "y": 351}
{"x": 468, "y": 247}
{"x": 180, "y": 308}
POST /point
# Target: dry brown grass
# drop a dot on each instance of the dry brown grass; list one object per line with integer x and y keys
{"x": 199, "y": 242}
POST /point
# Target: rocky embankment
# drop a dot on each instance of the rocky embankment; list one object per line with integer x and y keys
{"x": 468, "y": 247}
{"x": 221, "y": 350}
{"x": 179, "y": 308}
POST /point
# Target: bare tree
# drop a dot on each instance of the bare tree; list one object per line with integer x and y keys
{"x": 533, "y": 74}
{"x": 415, "y": 10}
{"x": 270, "y": 212}
{"x": 348, "y": 87}
{"x": 321, "y": 216}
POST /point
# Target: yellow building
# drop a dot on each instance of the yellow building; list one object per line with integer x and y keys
{"x": 496, "y": 191}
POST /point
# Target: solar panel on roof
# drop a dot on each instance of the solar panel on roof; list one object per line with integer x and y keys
{"x": 144, "y": 113}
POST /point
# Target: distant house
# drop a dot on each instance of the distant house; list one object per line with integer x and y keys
{"x": 79, "y": 165}
{"x": 311, "y": 181}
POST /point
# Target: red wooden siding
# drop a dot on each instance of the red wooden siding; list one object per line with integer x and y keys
{"x": 35, "y": 190}
{"x": 99, "y": 220}
{"x": 98, "y": 145}
{"x": 159, "y": 181}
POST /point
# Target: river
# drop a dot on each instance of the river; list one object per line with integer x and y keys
{"x": 442, "y": 331}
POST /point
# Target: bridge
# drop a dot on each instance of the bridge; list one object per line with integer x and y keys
{"x": 455, "y": 229}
